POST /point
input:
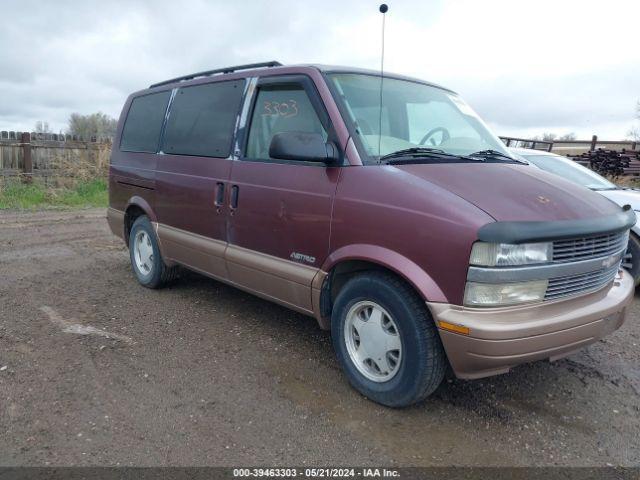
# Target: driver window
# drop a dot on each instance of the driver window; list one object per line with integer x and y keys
{"x": 280, "y": 109}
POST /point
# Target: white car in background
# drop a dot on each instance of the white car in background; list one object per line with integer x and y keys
{"x": 574, "y": 172}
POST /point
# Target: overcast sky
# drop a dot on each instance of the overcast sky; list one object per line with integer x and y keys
{"x": 527, "y": 67}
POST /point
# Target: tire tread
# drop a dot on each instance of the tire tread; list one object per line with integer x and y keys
{"x": 433, "y": 354}
{"x": 430, "y": 351}
{"x": 166, "y": 274}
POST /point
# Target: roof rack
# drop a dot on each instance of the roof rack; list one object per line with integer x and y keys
{"x": 207, "y": 73}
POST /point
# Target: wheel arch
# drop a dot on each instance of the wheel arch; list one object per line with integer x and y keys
{"x": 136, "y": 206}
{"x": 349, "y": 260}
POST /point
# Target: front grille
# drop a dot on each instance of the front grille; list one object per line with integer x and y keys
{"x": 579, "y": 284}
{"x": 579, "y": 266}
{"x": 585, "y": 248}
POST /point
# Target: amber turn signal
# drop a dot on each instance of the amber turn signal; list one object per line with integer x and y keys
{"x": 453, "y": 327}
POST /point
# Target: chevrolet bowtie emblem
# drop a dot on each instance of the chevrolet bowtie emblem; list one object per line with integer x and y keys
{"x": 609, "y": 262}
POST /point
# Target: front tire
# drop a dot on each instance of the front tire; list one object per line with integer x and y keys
{"x": 632, "y": 258}
{"x": 386, "y": 340}
{"x": 144, "y": 253}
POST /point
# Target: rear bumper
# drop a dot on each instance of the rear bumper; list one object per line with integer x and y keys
{"x": 115, "y": 219}
{"x": 501, "y": 338}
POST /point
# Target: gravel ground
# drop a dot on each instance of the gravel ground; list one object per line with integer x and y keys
{"x": 202, "y": 374}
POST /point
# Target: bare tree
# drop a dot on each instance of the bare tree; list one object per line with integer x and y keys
{"x": 634, "y": 132}
{"x": 42, "y": 127}
{"x": 96, "y": 125}
{"x": 549, "y": 137}
{"x": 568, "y": 136}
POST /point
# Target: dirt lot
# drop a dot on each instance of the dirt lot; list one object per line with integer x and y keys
{"x": 202, "y": 374}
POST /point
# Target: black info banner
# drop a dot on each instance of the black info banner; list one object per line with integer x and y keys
{"x": 205, "y": 473}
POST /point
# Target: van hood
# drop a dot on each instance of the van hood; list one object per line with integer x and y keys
{"x": 509, "y": 192}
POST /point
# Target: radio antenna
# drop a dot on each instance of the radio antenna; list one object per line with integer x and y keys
{"x": 383, "y": 10}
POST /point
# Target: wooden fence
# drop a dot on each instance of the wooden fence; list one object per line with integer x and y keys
{"x": 582, "y": 150}
{"x": 51, "y": 158}
{"x": 571, "y": 147}
{"x": 517, "y": 142}
{"x": 52, "y": 137}
{"x": 577, "y": 147}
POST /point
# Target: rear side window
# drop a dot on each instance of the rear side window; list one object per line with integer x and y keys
{"x": 202, "y": 119}
{"x": 141, "y": 132}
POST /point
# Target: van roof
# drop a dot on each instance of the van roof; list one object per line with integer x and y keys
{"x": 275, "y": 65}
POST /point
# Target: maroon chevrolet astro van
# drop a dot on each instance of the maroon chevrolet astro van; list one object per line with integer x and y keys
{"x": 383, "y": 207}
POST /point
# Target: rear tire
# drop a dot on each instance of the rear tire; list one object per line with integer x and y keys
{"x": 393, "y": 371}
{"x": 144, "y": 253}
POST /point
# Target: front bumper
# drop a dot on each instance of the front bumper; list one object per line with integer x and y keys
{"x": 501, "y": 338}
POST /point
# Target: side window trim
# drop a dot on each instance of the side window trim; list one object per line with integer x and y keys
{"x": 307, "y": 85}
{"x": 297, "y": 80}
{"x": 346, "y": 112}
{"x": 166, "y": 119}
{"x": 244, "y": 117}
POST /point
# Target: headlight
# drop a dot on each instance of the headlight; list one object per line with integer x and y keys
{"x": 503, "y": 254}
{"x": 493, "y": 295}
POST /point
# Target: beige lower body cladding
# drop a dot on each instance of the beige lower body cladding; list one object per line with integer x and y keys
{"x": 501, "y": 338}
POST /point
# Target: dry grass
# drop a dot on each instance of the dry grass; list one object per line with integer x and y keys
{"x": 626, "y": 181}
{"x": 73, "y": 167}
{"x": 76, "y": 177}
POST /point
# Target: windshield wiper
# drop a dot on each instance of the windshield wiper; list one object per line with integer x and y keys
{"x": 413, "y": 155}
{"x": 411, "y": 151}
{"x": 495, "y": 153}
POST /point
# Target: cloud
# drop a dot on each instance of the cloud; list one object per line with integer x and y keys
{"x": 525, "y": 66}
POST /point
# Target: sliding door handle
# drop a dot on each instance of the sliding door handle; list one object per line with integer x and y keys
{"x": 219, "y": 194}
{"x": 235, "y": 190}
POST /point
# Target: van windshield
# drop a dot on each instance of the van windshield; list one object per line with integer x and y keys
{"x": 413, "y": 115}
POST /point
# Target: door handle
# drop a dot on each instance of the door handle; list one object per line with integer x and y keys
{"x": 219, "y": 201}
{"x": 235, "y": 190}
{"x": 219, "y": 194}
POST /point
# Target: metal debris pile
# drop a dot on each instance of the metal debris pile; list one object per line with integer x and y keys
{"x": 610, "y": 162}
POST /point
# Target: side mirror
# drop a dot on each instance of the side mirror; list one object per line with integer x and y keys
{"x": 304, "y": 147}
